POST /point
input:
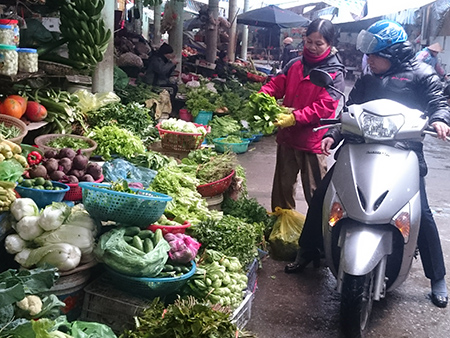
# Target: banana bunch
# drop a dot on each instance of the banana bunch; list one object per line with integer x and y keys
{"x": 7, "y": 195}
{"x": 83, "y": 27}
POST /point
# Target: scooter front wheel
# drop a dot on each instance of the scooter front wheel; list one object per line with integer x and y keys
{"x": 356, "y": 304}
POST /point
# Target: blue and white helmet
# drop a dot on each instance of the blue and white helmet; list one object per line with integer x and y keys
{"x": 380, "y": 36}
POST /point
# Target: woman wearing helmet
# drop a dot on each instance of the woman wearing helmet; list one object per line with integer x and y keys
{"x": 398, "y": 76}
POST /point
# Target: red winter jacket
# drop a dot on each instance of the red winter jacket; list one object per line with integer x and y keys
{"x": 310, "y": 102}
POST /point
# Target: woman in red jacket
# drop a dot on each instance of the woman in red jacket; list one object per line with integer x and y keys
{"x": 298, "y": 147}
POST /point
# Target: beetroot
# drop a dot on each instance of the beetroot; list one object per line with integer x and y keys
{"x": 95, "y": 170}
{"x": 80, "y": 161}
{"x": 51, "y": 153}
{"x": 66, "y": 164}
{"x": 57, "y": 175}
{"x": 77, "y": 173}
{"x": 87, "y": 178}
{"x": 67, "y": 152}
{"x": 51, "y": 165}
{"x": 69, "y": 179}
{"x": 37, "y": 171}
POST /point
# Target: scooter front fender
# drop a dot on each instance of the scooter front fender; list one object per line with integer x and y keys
{"x": 363, "y": 247}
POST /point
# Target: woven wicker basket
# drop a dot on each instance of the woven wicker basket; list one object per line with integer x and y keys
{"x": 53, "y": 68}
{"x": 12, "y": 121}
{"x": 41, "y": 142}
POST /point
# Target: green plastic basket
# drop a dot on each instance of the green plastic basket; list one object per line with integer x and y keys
{"x": 149, "y": 287}
{"x": 237, "y": 148}
{"x": 142, "y": 208}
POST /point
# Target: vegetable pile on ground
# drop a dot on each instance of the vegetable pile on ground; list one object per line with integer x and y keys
{"x": 222, "y": 126}
{"x": 60, "y": 236}
{"x": 184, "y": 318}
{"x": 218, "y": 279}
{"x": 230, "y": 235}
{"x": 201, "y": 98}
{"x": 65, "y": 165}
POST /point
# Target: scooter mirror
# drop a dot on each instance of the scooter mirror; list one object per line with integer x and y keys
{"x": 321, "y": 78}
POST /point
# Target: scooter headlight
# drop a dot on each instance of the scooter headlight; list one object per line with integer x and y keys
{"x": 380, "y": 127}
{"x": 402, "y": 220}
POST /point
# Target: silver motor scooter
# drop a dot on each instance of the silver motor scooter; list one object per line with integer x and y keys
{"x": 371, "y": 210}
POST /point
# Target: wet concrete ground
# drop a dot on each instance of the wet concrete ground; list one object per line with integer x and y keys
{"x": 307, "y": 306}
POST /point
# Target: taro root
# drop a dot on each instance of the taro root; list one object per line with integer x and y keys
{"x": 66, "y": 164}
{"x": 80, "y": 161}
{"x": 37, "y": 171}
{"x": 67, "y": 152}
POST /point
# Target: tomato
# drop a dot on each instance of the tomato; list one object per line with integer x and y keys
{"x": 35, "y": 112}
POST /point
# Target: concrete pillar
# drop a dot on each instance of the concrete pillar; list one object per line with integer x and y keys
{"x": 244, "y": 35}
{"x": 211, "y": 31}
{"x": 103, "y": 78}
{"x": 176, "y": 33}
{"x": 232, "y": 13}
{"x": 157, "y": 25}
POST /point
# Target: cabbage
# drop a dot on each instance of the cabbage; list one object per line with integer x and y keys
{"x": 80, "y": 237}
{"x": 80, "y": 217}
{"x": 63, "y": 256}
{"x": 54, "y": 216}
{"x": 182, "y": 126}
{"x": 14, "y": 244}
{"x": 22, "y": 207}
{"x": 28, "y": 227}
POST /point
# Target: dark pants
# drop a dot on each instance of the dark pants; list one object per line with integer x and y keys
{"x": 428, "y": 240}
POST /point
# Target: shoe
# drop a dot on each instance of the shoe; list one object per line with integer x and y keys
{"x": 306, "y": 257}
{"x": 439, "y": 301}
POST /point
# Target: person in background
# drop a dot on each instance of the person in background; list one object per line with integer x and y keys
{"x": 430, "y": 55}
{"x": 160, "y": 67}
{"x": 395, "y": 75}
{"x": 298, "y": 148}
{"x": 222, "y": 64}
{"x": 289, "y": 52}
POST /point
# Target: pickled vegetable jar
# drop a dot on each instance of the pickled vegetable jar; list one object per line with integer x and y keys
{"x": 15, "y": 28}
{"x": 8, "y": 60}
{"x": 28, "y": 60}
{"x": 6, "y": 35}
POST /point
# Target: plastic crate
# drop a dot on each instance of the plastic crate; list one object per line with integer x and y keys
{"x": 243, "y": 313}
{"x": 203, "y": 117}
{"x": 215, "y": 188}
{"x": 105, "y": 304}
{"x": 252, "y": 275}
{"x": 141, "y": 209}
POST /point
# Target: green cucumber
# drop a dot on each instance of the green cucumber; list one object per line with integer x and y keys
{"x": 148, "y": 245}
{"x": 137, "y": 243}
{"x": 132, "y": 231}
{"x": 143, "y": 234}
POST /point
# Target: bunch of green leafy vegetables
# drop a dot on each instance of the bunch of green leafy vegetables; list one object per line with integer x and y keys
{"x": 112, "y": 140}
{"x": 231, "y": 236}
{"x": 187, "y": 204}
{"x": 222, "y": 126}
{"x": 260, "y": 111}
{"x": 216, "y": 167}
{"x": 132, "y": 116}
{"x": 201, "y": 98}
{"x": 152, "y": 160}
{"x": 184, "y": 318}
{"x": 136, "y": 93}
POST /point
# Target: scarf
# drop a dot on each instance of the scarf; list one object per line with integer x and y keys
{"x": 314, "y": 59}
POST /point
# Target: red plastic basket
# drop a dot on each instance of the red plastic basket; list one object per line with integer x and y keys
{"x": 215, "y": 188}
{"x": 75, "y": 192}
{"x": 174, "y": 229}
{"x": 176, "y": 140}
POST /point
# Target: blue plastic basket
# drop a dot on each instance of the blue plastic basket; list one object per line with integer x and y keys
{"x": 203, "y": 117}
{"x": 237, "y": 148}
{"x": 142, "y": 208}
{"x": 257, "y": 137}
{"x": 44, "y": 197}
{"x": 149, "y": 287}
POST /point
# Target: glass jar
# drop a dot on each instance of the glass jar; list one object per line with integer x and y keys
{"x": 6, "y": 35}
{"x": 8, "y": 60}
{"x": 28, "y": 60}
{"x": 15, "y": 28}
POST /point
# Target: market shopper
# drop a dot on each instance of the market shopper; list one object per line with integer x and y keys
{"x": 222, "y": 65}
{"x": 298, "y": 147}
{"x": 289, "y": 52}
{"x": 398, "y": 76}
{"x": 430, "y": 55}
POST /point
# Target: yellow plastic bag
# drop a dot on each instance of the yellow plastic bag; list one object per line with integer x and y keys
{"x": 285, "y": 234}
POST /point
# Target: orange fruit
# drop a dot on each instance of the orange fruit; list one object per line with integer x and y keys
{"x": 11, "y": 107}
{"x": 22, "y": 100}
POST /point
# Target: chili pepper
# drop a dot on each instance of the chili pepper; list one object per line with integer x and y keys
{"x": 34, "y": 158}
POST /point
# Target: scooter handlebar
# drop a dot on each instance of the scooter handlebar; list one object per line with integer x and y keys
{"x": 430, "y": 131}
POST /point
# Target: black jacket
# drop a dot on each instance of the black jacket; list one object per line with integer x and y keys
{"x": 159, "y": 70}
{"x": 409, "y": 82}
{"x": 289, "y": 52}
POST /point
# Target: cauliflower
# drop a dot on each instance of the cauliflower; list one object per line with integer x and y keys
{"x": 31, "y": 303}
